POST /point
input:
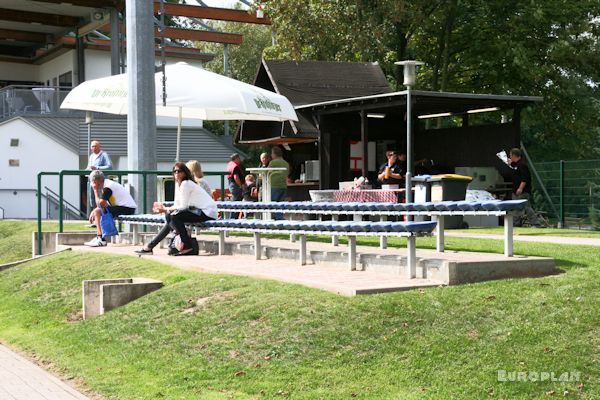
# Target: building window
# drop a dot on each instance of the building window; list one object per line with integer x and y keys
{"x": 66, "y": 79}
{"x": 14, "y": 142}
{"x": 13, "y": 163}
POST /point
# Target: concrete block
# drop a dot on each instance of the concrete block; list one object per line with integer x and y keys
{"x": 103, "y": 295}
{"x": 446, "y": 267}
{"x": 68, "y": 239}
{"x": 516, "y": 267}
{"x": 48, "y": 243}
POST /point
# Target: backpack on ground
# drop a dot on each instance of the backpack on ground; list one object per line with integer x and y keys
{"x": 175, "y": 245}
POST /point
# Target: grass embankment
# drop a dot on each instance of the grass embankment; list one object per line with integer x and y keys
{"x": 217, "y": 337}
{"x": 15, "y": 237}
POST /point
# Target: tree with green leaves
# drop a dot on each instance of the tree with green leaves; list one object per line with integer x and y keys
{"x": 546, "y": 48}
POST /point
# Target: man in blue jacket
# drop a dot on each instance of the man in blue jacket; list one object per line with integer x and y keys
{"x": 99, "y": 159}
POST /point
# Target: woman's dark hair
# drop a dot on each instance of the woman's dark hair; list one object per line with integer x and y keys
{"x": 186, "y": 171}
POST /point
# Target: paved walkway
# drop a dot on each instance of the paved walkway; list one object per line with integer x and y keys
{"x": 330, "y": 276}
{"x": 337, "y": 279}
{"x": 531, "y": 238}
{"x": 20, "y": 379}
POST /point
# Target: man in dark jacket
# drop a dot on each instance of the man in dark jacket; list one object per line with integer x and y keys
{"x": 396, "y": 169}
{"x": 521, "y": 187}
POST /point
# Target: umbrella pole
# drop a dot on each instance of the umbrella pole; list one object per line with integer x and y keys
{"x": 178, "y": 136}
{"x": 89, "y": 118}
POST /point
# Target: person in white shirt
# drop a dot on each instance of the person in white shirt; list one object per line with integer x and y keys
{"x": 114, "y": 197}
{"x": 192, "y": 204}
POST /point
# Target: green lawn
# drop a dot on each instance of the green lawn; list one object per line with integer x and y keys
{"x": 15, "y": 237}
{"x": 209, "y": 336}
{"x": 533, "y": 231}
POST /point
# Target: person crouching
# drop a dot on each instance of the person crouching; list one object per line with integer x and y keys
{"x": 112, "y": 196}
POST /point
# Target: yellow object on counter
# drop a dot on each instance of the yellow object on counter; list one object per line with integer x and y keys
{"x": 452, "y": 176}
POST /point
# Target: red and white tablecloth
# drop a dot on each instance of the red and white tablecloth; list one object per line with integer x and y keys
{"x": 364, "y": 196}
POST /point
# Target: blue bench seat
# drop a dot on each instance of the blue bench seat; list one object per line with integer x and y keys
{"x": 306, "y": 226}
{"x": 351, "y": 229}
{"x": 306, "y": 207}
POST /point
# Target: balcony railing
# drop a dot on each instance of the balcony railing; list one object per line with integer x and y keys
{"x": 18, "y": 100}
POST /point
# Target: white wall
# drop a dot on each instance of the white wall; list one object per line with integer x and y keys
{"x": 36, "y": 152}
{"x": 18, "y": 72}
{"x": 57, "y": 66}
{"x": 97, "y": 64}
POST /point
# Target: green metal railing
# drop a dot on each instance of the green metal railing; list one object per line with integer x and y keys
{"x": 573, "y": 187}
{"x": 79, "y": 172}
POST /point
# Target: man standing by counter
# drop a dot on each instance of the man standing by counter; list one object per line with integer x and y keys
{"x": 278, "y": 178}
{"x": 394, "y": 170}
{"x": 521, "y": 187}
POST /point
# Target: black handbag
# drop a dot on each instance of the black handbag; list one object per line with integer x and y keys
{"x": 175, "y": 244}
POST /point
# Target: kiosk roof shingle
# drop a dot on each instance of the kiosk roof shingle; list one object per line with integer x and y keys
{"x": 307, "y": 82}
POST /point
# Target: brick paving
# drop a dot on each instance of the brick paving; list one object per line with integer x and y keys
{"x": 332, "y": 278}
{"x": 20, "y": 379}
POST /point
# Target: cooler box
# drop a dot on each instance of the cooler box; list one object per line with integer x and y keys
{"x": 450, "y": 187}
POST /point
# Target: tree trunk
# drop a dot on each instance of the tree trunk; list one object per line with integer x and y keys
{"x": 401, "y": 44}
{"x": 448, "y": 25}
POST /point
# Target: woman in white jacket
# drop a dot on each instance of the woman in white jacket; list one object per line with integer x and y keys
{"x": 192, "y": 204}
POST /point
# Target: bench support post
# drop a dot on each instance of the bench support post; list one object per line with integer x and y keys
{"x": 135, "y": 237}
{"x": 411, "y": 259}
{"x": 508, "y": 235}
{"x": 221, "y": 243}
{"x": 303, "y": 249}
{"x": 352, "y": 252}
{"x": 335, "y": 240}
{"x": 292, "y": 235}
{"x": 382, "y": 238}
{"x": 439, "y": 234}
{"x": 257, "y": 248}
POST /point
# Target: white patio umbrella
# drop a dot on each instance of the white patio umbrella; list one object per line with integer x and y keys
{"x": 192, "y": 92}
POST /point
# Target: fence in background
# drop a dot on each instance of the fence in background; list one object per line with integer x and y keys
{"x": 143, "y": 203}
{"x": 574, "y": 190}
